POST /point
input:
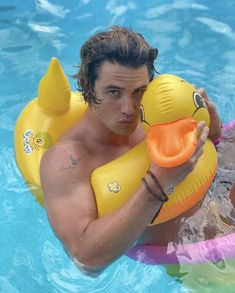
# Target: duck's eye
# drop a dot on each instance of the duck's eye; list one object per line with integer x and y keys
{"x": 198, "y": 100}
{"x": 142, "y": 113}
{"x": 39, "y": 141}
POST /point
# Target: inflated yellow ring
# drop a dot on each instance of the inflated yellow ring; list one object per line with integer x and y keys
{"x": 43, "y": 121}
{"x": 167, "y": 99}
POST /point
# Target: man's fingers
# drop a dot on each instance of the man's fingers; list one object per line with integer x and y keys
{"x": 202, "y": 133}
{"x": 199, "y": 148}
{"x": 200, "y": 126}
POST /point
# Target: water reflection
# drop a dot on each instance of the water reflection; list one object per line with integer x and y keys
{"x": 194, "y": 40}
{"x": 57, "y": 10}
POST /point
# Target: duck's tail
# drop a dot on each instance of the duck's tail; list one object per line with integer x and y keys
{"x": 54, "y": 93}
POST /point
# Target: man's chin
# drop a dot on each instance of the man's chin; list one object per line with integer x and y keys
{"x": 126, "y": 131}
{"x": 126, "y": 128}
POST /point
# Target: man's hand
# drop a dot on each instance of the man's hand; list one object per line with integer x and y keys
{"x": 215, "y": 122}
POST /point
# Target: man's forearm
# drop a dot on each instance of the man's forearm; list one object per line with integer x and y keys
{"x": 108, "y": 237}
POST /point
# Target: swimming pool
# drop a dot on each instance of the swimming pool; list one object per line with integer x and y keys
{"x": 195, "y": 40}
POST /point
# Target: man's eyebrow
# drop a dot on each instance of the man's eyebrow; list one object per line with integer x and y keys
{"x": 110, "y": 86}
{"x": 144, "y": 87}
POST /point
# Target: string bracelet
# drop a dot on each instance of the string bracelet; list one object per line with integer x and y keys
{"x": 154, "y": 194}
{"x": 218, "y": 133}
{"x": 164, "y": 195}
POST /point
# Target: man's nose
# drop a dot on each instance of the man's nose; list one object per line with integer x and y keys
{"x": 128, "y": 106}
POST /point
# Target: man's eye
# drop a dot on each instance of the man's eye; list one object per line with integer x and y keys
{"x": 139, "y": 93}
{"x": 114, "y": 93}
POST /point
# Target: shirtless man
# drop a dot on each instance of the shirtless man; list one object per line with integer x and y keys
{"x": 116, "y": 67}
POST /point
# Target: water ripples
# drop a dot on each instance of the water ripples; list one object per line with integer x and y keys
{"x": 195, "y": 40}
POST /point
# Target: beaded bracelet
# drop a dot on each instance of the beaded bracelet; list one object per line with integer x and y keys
{"x": 164, "y": 195}
{"x": 155, "y": 195}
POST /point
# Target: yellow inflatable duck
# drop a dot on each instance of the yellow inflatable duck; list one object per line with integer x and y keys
{"x": 170, "y": 111}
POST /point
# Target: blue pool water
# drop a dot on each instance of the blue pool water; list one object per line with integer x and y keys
{"x": 196, "y": 39}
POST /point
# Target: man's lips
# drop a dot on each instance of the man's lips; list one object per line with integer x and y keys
{"x": 127, "y": 120}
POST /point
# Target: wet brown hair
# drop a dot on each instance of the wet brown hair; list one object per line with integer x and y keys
{"x": 117, "y": 45}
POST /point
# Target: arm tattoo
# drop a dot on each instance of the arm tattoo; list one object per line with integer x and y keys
{"x": 73, "y": 164}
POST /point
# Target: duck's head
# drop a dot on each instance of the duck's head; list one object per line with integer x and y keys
{"x": 170, "y": 110}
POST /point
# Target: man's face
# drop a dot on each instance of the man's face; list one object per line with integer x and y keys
{"x": 120, "y": 89}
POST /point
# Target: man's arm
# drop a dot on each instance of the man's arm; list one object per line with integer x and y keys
{"x": 71, "y": 207}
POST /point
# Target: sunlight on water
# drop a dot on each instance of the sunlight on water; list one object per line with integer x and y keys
{"x": 195, "y": 40}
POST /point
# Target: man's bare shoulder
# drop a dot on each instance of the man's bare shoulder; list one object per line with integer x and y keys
{"x": 63, "y": 165}
{"x": 64, "y": 151}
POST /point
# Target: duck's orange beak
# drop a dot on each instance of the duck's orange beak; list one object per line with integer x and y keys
{"x": 172, "y": 144}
